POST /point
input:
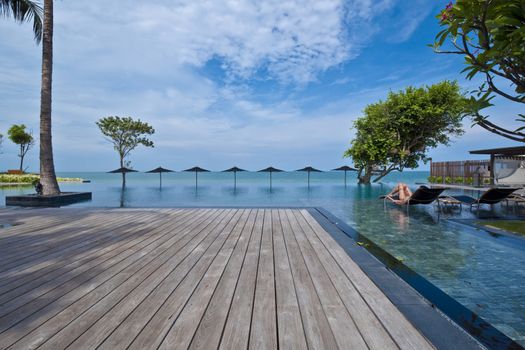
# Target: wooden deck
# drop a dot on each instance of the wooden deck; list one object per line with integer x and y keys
{"x": 187, "y": 278}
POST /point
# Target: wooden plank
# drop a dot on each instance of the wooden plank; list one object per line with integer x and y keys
{"x": 317, "y": 328}
{"x": 152, "y": 335}
{"x": 263, "y": 333}
{"x": 100, "y": 320}
{"x": 341, "y": 322}
{"x": 81, "y": 228}
{"x": 290, "y": 325}
{"x": 401, "y": 330}
{"x": 68, "y": 284}
{"x": 35, "y": 261}
{"x": 135, "y": 322}
{"x": 366, "y": 321}
{"x": 14, "y": 256}
{"x": 186, "y": 322}
{"x": 79, "y": 258}
{"x": 237, "y": 329}
{"x": 140, "y": 263}
{"x": 82, "y": 261}
{"x": 209, "y": 331}
{"x": 46, "y": 282}
{"x": 26, "y": 221}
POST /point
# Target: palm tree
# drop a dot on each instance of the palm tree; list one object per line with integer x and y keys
{"x": 22, "y": 11}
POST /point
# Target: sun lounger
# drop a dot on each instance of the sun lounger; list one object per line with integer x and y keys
{"x": 423, "y": 195}
{"x": 491, "y": 197}
{"x": 516, "y": 199}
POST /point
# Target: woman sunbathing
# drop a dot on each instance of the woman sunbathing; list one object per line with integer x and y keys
{"x": 401, "y": 193}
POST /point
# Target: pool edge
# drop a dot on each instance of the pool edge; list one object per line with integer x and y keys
{"x": 438, "y": 327}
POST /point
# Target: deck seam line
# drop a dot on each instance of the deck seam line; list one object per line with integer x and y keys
{"x": 133, "y": 288}
{"x": 88, "y": 258}
{"x": 109, "y": 278}
{"x": 293, "y": 282}
{"x": 237, "y": 281}
{"x": 189, "y": 270}
{"x": 202, "y": 277}
{"x": 329, "y": 278}
{"x": 218, "y": 282}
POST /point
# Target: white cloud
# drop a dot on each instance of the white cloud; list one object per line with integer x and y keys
{"x": 288, "y": 40}
{"x": 188, "y": 68}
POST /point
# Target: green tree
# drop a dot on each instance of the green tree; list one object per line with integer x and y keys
{"x": 490, "y": 34}
{"x": 125, "y": 134}
{"x": 24, "y": 139}
{"x": 22, "y": 11}
{"x": 397, "y": 133}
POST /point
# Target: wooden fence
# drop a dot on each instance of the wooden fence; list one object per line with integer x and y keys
{"x": 465, "y": 169}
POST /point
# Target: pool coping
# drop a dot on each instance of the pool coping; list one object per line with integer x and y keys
{"x": 439, "y": 317}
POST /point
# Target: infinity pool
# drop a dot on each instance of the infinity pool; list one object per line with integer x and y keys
{"x": 483, "y": 272}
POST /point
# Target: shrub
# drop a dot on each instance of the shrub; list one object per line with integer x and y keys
{"x": 469, "y": 180}
{"x": 431, "y": 179}
{"x": 439, "y": 179}
{"x": 31, "y": 178}
{"x": 448, "y": 180}
{"x": 459, "y": 179}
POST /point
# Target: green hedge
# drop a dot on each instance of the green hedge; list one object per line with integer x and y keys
{"x": 30, "y": 178}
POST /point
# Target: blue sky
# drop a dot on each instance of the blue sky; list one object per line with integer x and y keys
{"x": 225, "y": 82}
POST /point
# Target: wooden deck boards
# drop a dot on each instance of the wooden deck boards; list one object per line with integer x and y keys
{"x": 187, "y": 278}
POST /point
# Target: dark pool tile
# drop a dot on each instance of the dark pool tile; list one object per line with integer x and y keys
{"x": 430, "y": 321}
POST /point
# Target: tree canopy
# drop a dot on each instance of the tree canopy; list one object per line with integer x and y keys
{"x": 125, "y": 133}
{"x": 397, "y": 133}
{"x": 490, "y": 34}
{"x": 24, "y": 139}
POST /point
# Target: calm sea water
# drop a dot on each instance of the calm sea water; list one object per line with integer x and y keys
{"x": 477, "y": 269}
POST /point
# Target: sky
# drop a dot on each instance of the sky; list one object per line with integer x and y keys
{"x": 225, "y": 82}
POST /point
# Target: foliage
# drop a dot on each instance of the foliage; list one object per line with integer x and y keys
{"x": 397, "y": 133}
{"x": 24, "y": 11}
{"x": 459, "y": 179}
{"x": 490, "y": 34}
{"x": 439, "y": 179}
{"x": 448, "y": 180}
{"x": 431, "y": 179}
{"x": 125, "y": 134}
{"x": 469, "y": 180}
{"x": 24, "y": 139}
{"x": 515, "y": 226}
{"x": 31, "y": 178}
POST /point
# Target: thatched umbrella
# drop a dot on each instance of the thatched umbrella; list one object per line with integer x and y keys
{"x": 160, "y": 170}
{"x": 309, "y": 169}
{"x": 345, "y": 168}
{"x": 270, "y": 170}
{"x": 197, "y": 170}
{"x": 123, "y": 171}
{"x": 234, "y": 170}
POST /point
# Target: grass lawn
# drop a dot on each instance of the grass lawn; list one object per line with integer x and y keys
{"x": 515, "y": 226}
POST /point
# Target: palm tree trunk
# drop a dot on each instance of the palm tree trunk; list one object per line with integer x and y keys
{"x": 47, "y": 167}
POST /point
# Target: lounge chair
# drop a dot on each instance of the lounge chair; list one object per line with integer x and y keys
{"x": 491, "y": 197}
{"x": 516, "y": 199}
{"x": 423, "y": 195}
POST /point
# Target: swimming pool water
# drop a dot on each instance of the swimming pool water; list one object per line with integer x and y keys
{"x": 484, "y": 272}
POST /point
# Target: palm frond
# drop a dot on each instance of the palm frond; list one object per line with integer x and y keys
{"x": 24, "y": 11}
